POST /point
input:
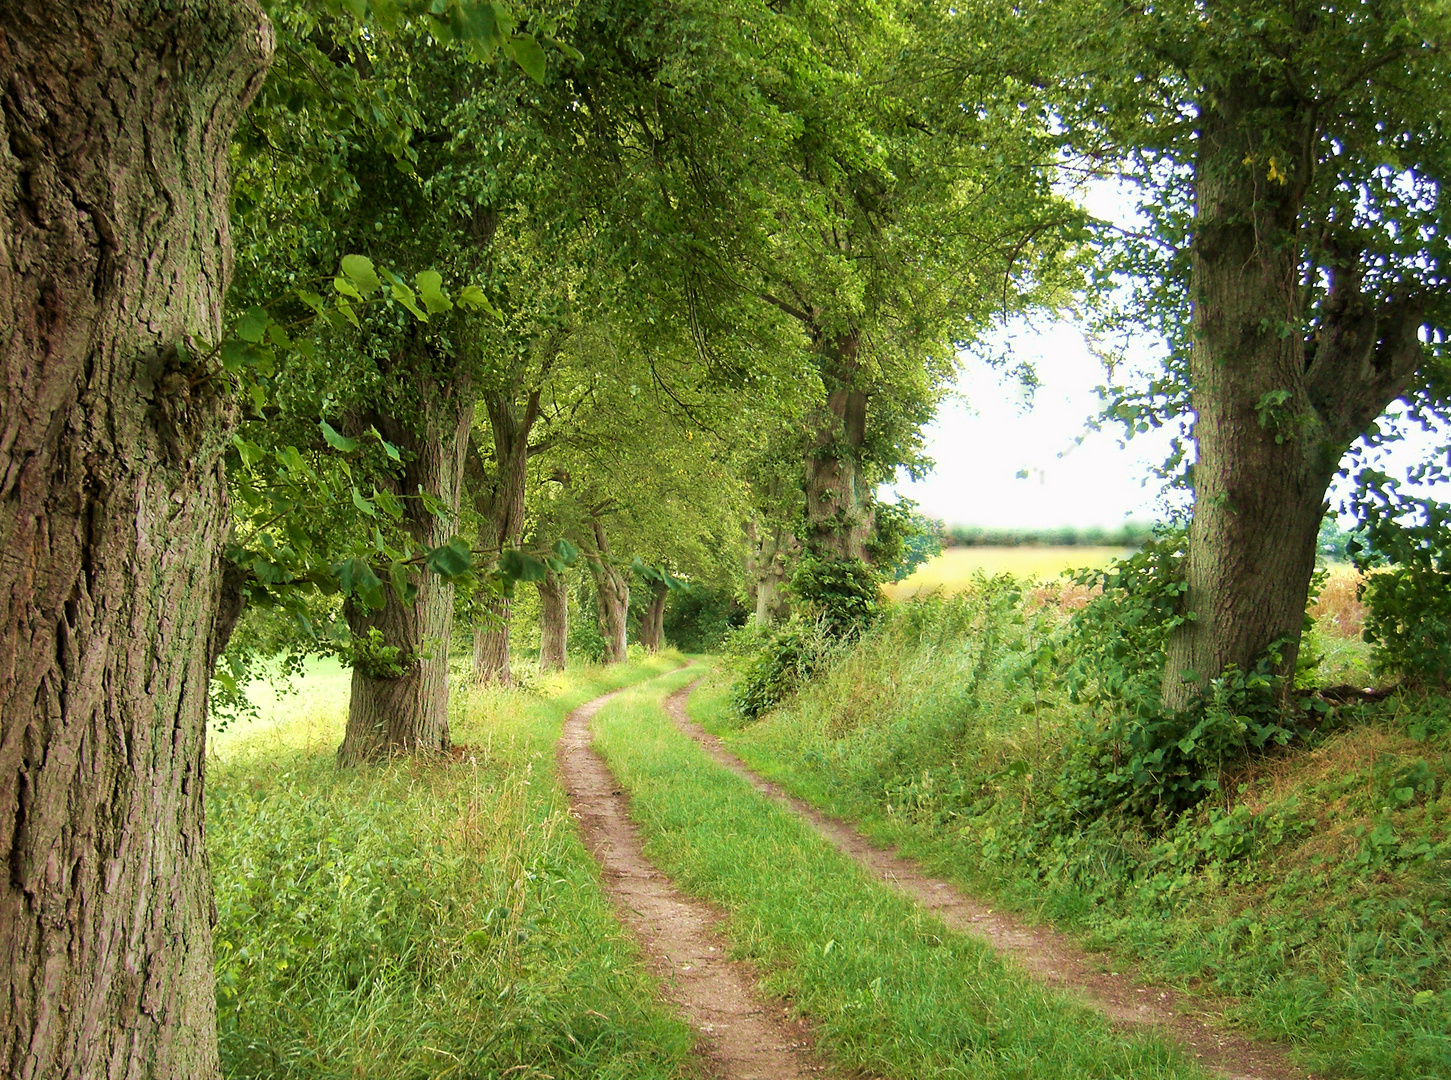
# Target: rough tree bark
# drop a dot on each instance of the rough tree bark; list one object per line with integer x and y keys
{"x": 499, "y": 500}
{"x": 770, "y": 552}
{"x": 553, "y": 622}
{"x": 838, "y": 506}
{"x": 404, "y": 709}
{"x": 612, "y": 593}
{"x": 114, "y": 250}
{"x": 1275, "y": 413}
{"x": 652, "y": 624}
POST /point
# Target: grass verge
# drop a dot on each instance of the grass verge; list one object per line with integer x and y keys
{"x": 425, "y": 920}
{"x": 890, "y": 989}
{"x": 1312, "y": 889}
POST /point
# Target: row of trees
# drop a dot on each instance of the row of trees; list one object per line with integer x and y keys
{"x": 604, "y": 279}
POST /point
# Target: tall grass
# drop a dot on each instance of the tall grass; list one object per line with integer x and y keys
{"x": 1312, "y": 886}
{"x": 422, "y": 919}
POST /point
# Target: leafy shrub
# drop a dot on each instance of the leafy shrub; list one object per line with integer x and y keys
{"x": 1113, "y": 649}
{"x": 1408, "y": 600}
{"x": 774, "y": 662}
{"x": 1155, "y": 767}
{"x": 1408, "y": 618}
{"x": 841, "y": 594}
{"x": 902, "y": 540}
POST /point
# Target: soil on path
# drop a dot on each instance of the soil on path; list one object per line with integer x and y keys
{"x": 1046, "y": 954}
{"x": 745, "y": 1038}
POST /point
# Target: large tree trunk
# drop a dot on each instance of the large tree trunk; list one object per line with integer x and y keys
{"x": 838, "y": 505}
{"x": 114, "y": 249}
{"x": 652, "y": 624}
{"x": 491, "y": 643}
{"x": 1274, "y": 414}
{"x": 612, "y": 594}
{"x": 553, "y": 622}
{"x": 400, "y": 705}
{"x": 500, "y": 502}
{"x": 769, "y": 554}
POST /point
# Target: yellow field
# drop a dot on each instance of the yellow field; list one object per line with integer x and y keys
{"x": 953, "y": 570}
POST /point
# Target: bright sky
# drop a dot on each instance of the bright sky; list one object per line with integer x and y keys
{"x": 991, "y": 431}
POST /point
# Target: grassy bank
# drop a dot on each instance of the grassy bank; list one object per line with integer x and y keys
{"x": 890, "y": 990}
{"x": 1312, "y": 887}
{"x": 423, "y": 920}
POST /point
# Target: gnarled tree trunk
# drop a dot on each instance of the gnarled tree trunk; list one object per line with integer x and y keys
{"x": 652, "y": 623}
{"x": 769, "y": 554}
{"x": 553, "y": 622}
{"x": 114, "y": 251}
{"x": 838, "y": 505}
{"x": 500, "y": 503}
{"x": 612, "y": 594}
{"x": 399, "y": 704}
{"x": 1274, "y": 413}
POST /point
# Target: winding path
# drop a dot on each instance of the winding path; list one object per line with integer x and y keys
{"x": 745, "y": 1038}
{"x": 1048, "y": 955}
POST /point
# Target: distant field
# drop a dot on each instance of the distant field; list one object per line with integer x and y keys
{"x": 319, "y": 704}
{"x": 953, "y": 570}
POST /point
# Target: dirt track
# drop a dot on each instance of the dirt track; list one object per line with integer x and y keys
{"x": 1048, "y": 955}
{"x": 745, "y": 1038}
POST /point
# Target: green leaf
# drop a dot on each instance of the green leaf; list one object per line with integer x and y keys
{"x": 251, "y": 452}
{"x": 344, "y": 287}
{"x": 430, "y": 289}
{"x": 568, "y": 50}
{"x": 404, "y": 295}
{"x": 363, "y": 504}
{"x": 389, "y": 503}
{"x": 388, "y": 448}
{"x": 347, "y": 312}
{"x": 335, "y": 440}
{"x": 356, "y": 578}
{"x": 360, "y": 272}
{"x": 237, "y": 354}
{"x": 567, "y": 552}
{"x": 450, "y": 560}
{"x": 311, "y": 299}
{"x": 529, "y": 55}
{"x": 515, "y": 565}
{"x": 398, "y": 578}
{"x": 471, "y": 296}
{"x": 253, "y": 325}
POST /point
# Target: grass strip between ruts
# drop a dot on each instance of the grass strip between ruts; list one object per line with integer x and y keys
{"x": 888, "y": 988}
{"x": 426, "y": 920}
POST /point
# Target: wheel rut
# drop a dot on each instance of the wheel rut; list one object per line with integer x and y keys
{"x": 745, "y": 1038}
{"x": 1046, "y": 954}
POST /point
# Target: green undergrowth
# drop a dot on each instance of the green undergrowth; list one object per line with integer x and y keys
{"x": 425, "y": 919}
{"x": 1309, "y": 886}
{"x": 890, "y": 990}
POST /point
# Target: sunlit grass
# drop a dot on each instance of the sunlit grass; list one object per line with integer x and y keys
{"x": 423, "y": 918}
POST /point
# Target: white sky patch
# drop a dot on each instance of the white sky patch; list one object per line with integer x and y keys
{"x": 992, "y": 431}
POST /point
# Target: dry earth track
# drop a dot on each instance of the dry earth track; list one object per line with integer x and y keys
{"x": 745, "y": 1037}
{"x": 1048, "y": 955}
